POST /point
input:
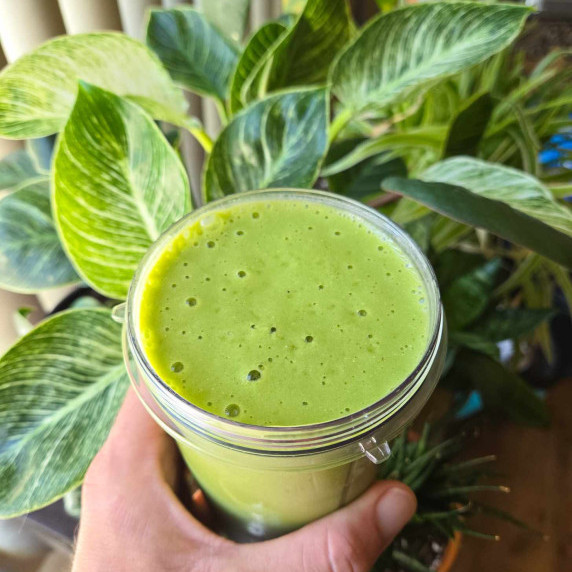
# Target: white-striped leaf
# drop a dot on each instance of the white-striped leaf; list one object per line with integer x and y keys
{"x": 60, "y": 388}
{"x": 518, "y": 189}
{"x": 117, "y": 184}
{"x": 31, "y": 255}
{"x": 37, "y": 92}
{"x": 195, "y": 53}
{"x": 229, "y": 16}
{"x": 15, "y": 169}
{"x": 405, "y": 49}
{"x": 258, "y": 45}
{"x": 277, "y": 142}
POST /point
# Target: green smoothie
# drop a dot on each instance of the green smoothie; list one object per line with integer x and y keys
{"x": 279, "y": 314}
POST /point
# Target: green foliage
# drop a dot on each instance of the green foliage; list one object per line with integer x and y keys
{"x": 16, "y": 169}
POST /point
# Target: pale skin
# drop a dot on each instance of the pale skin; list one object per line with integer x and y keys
{"x": 132, "y": 519}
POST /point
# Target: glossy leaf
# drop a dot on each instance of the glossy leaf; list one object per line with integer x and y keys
{"x": 468, "y": 296}
{"x": 229, "y": 16}
{"x": 277, "y": 142}
{"x": 515, "y": 188}
{"x": 495, "y": 216}
{"x": 117, "y": 185}
{"x": 15, "y": 169}
{"x": 252, "y": 56}
{"x": 511, "y": 323}
{"x": 37, "y": 91}
{"x": 60, "y": 388}
{"x": 407, "y": 49}
{"x": 196, "y": 54}
{"x": 504, "y": 393}
{"x": 31, "y": 255}
{"x": 469, "y": 126}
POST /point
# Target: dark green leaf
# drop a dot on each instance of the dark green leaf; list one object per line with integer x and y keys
{"x": 469, "y": 125}
{"x": 15, "y": 169}
{"x": 420, "y": 231}
{"x": 474, "y": 342}
{"x": 31, "y": 255}
{"x": 60, "y": 388}
{"x": 510, "y": 323}
{"x": 277, "y": 142}
{"x": 409, "y": 562}
{"x": 468, "y": 296}
{"x": 493, "y": 215}
{"x": 195, "y": 53}
{"x": 452, "y": 264}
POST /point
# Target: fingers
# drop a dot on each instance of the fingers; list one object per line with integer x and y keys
{"x": 350, "y": 539}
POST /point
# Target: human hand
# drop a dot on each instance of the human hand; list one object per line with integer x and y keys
{"x": 133, "y": 521}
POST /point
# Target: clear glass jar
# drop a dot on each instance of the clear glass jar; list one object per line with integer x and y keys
{"x": 265, "y": 481}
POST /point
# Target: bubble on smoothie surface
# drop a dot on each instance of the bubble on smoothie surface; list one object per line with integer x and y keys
{"x": 177, "y": 367}
{"x": 191, "y": 301}
{"x": 232, "y": 410}
{"x": 253, "y": 375}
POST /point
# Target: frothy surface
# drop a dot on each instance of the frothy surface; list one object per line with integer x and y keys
{"x": 283, "y": 313}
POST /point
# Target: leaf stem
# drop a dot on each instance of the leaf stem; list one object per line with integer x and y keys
{"x": 222, "y": 112}
{"x": 339, "y": 122}
{"x": 195, "y": 128}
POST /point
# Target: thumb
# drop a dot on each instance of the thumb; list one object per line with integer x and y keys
{"x": 350, "y": 539}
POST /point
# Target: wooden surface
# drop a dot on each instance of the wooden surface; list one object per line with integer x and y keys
{"x": 537, "y": 465}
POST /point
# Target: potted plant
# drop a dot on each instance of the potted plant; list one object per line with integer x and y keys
{"x": 421, "y": 113}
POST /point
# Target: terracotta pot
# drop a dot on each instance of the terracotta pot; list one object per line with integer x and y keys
{"x": 451, "y": 553}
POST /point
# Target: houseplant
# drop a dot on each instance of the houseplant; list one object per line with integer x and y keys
{"x": 308, "y": 100}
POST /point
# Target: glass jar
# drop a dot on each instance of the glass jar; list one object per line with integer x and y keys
{"x": 266, "y": 481}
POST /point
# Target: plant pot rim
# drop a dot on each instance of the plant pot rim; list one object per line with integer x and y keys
{"x": 451, "y": 552}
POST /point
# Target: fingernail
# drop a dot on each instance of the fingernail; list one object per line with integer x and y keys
{"x": 394, "y": 510}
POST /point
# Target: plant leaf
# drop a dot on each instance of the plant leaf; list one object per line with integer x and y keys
{"x": 60, "y": 388}
{"x": 254, "y": 53}
{"x": 494, "y": 215}
{"x": 468, "y": 296}
{"x": 469, "y": 125}
{"x": 277, "y": 142}
{"x": 452, "y": 264}
{"x": 405, "y": 49}
{"x": 117, "y": 185}
{"x": 195, "y": 53}
{"x": 475, "y": 342}
{"x": 31, "y": 255}
{"x": 229, "y": 16}
{"x": 37, "y": 91}
{"x": 503, "y": 392}
{"x": 15, "y": 169}
{"x": 304, "y": 54}
{"x": 510, "y": 323}
{"x": 517, "y": 189}
{"x": 41, "y": 151}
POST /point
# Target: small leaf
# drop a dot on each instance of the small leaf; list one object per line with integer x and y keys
{"x": 16, "y": 169}
{"x": 476, "y": 342}
{"x": 117, "y": 185}
{"x": 277, "y": 142}
{"x": 305, "y": 53}
{"x": 503, "y": 392}
{"x": 468, "y": 296}
{"x": 406, "y": 49}
{"x": 229, "y": 16}
{"x": 31, "y": 256}
{"x": 38, "y": 90}
{"x": 195, "y": 53}
{"x": 495, "y": 216}
{"x": 510, "y": 323}
{"x": 60, "y": 388}
{"x": 254, "y": 53}
{"x": 452, "y": 264}
{"x": 469, "y": 125}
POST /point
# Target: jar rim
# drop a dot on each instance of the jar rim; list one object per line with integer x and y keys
{"x": 280, "y": 437}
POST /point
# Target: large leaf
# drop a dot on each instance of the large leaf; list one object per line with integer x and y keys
{"x": 229, "y": 16}
{"x": 469, "y": 125}
{"x": 304, "y": 55}
{"x": 60, "y": 388}
{"x": 511, "y": 323}
{"x": 31, "y": 255}
{"x": 468, "y": 296}
{"x": 277, "y": 142}
{"x": 405, "y": 49}
{"x": 254, "y": 53}
{"x": 504, "y": 393}
{"x": 493, "y": 215}
{"x": 195, "y": 53}
{"x": 521, "y": 191}
{"x": 117, "y": 185}
{"x": 15, "y": 169}
{"x": 37, "y": 92}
